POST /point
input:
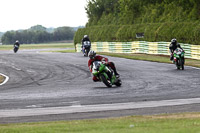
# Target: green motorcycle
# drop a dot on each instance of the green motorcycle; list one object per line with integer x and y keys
{"x": 179, "y": 59}
{"x": 105, "y": 74}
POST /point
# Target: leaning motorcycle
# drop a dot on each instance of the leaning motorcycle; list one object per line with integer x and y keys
{"x": 15, "y": 49}
{"x": 86, "y": 47}
{"x": 179, "y": 59}
{"x": 105, "y": 74}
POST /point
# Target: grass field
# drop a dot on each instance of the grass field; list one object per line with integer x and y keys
{"x": 63, "y": 51}
{"x": 166, "y": 123}
{"x": 39, "y": 46}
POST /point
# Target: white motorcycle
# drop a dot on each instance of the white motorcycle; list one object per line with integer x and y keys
{"x": 86, "y": 47}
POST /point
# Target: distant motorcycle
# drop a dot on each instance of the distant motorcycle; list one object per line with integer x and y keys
{"x": 105, "y": 74}
{"x": 16, "y": 48}
{"x": 179, "y": 59}
{"x": 86, "y": 48}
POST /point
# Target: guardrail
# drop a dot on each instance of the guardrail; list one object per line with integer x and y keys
{"x": 159, "y": 48}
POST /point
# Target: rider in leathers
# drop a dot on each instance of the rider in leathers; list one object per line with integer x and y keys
{"x": 17, "y": 43}
{"x": 172, "y": 47}
{"x": 93, "y": 57}
{"x": 85, "y": 38}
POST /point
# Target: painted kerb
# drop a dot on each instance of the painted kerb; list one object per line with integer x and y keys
{"x": 162, "y": 48}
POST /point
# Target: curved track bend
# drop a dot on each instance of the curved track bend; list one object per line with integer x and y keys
{"x": 52, "y": 81}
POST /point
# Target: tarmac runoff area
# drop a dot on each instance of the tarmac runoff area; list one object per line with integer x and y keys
{"x": 95, "y": 108}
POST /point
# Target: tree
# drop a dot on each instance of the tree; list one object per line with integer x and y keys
{"x": 128, "y": 12}
{"x": 63, "y": 33}
{"x": 38, "y": 34}
{"x": 37, "y": 28}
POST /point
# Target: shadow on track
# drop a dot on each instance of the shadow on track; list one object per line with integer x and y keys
{"x": 106, "y": 88}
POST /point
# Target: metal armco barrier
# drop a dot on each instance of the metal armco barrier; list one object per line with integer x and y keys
{"x": 191, "y": 51}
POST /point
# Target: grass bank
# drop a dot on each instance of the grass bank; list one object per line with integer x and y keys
{"x": 174, "y": 123}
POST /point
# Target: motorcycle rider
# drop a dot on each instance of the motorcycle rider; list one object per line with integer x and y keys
{"x": 93, "y": 57}
{"x": 173, "y": 46}
{"x": 16, "y": 43}
{"x": 85, "y": 38}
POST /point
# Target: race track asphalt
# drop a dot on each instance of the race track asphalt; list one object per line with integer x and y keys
{"x": 41, "y": 81}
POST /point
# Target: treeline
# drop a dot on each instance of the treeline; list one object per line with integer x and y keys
{"x": 126, "y": 12}
{"x": 38, "y": 34}
{"x": 159, "y": 20}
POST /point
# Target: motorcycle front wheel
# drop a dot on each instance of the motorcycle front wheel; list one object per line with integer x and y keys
{"x": 118, "y": 83}
{"x": 15, "y": 50}
{"x": 177, "y": 64}
{"x": 87, "y": 51}
{"x": 105, "y": 81}
{"x": 182, "y": 64}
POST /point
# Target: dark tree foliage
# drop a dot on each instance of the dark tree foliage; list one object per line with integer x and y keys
{"x": 98, "y": 9}
{"x": 159, "y": 20}
{"x": 38, "y": 34}
{"x": 103, "y": 12}
{"x": 63, "y": 33}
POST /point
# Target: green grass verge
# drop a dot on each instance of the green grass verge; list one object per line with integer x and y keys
{"x": 39, "y": 46}
{"x": 174, "y": 123}
{"x": 64, "y": 51}
{"x": 153, "y": 58}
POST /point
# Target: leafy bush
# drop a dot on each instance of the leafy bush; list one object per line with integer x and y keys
{"x": 185, "y": 32}
{"x": 159, "y": 20}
